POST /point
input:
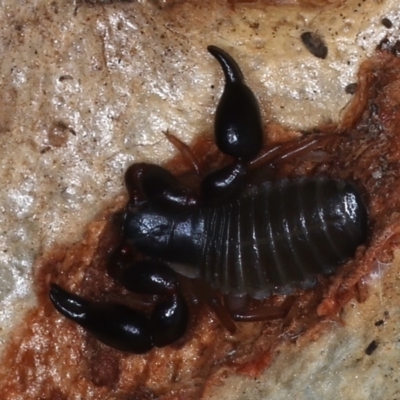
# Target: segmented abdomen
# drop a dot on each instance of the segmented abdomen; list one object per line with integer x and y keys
{"x": 281, "y": 235}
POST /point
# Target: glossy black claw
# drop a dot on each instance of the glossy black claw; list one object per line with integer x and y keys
{"x": 152, "y": 182}
{"x": 238, "y": 122}
{"x": 169, "y": 321}
{"x": 115, "y": 325}
{"x": 170, "y": 317}
{"x": 231, "y": 69}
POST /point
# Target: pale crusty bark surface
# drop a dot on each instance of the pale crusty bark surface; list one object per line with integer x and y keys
{"x": 88, "y": 88}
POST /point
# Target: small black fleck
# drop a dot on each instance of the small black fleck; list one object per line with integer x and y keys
{"x": 45, "y": 150}
{"x": 315, "y": 44}
{"x": 63, "y": 78}
{"x": 379, "y": 322}
{"x": 351, "y": 88}
{"x": 387, "y": 23}
{"x": 371, "y": 348}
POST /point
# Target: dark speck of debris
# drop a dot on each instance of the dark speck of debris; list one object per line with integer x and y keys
{"x": 371, "y": 348}
{"x": 380, "y": 322}
{"x": 45, "y": 150}
{"x": 351, "y": 88}
{"x": 63, "y": 78}
{"x": 387, "y": 23}
{"x": 315, "y": 44}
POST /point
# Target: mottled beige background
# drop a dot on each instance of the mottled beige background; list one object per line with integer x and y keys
{"x": 88, "y": 88}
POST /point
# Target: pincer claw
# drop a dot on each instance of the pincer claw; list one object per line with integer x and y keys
{"x": 114, "y": 324}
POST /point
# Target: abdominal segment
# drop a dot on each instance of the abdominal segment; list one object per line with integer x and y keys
{"x": 280, "y": 235}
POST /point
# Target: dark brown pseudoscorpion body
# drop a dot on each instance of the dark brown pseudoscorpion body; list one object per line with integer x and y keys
{"x": 236, "y": 241}
{"x": 272, "y": 238}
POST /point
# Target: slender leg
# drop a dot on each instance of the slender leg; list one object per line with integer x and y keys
{"x": 243, "y": 313}
{"x": 201, "y": 292}
{"x": 291, "y": 150}
{"x": 185, "y": 151}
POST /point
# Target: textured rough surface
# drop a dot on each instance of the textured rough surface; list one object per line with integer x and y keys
{"x": 86, "y": 88}
{"x": 338, "y": 365}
